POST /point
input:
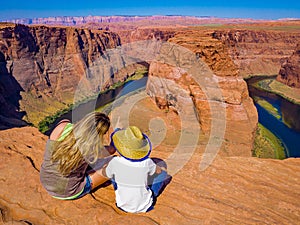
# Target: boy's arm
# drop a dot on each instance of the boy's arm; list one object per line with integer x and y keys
{"x": 103, "y": 171}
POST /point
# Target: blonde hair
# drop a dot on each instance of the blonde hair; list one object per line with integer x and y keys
{"x": 84, "y": 142}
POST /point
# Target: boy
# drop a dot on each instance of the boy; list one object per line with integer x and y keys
{"x": 131, "y": 169}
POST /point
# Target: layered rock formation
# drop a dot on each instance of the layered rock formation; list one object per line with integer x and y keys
{"x": 45, "y": 60}
{"x": 146, "y": 33}
{"x": 232, "y": 190}
{"x": 228, "y": 53}
{"x": 77, "y": 20}
{"x": 258, "y": 52}
{"x": 289, "y": 72}
{"x": 140, "y": 20}
{"x": 47, "y": 63}
{"x": 218, "y": 95}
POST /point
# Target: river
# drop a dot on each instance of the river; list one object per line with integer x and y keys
{"x": 286, "y": 128}
{"x": 103, "y": 99}
{"x": 289, "y": 112}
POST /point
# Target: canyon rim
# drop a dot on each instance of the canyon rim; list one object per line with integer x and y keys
{"x": 41, "y": 67}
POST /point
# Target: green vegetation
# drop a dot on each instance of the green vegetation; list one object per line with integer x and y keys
{"x": 139, "y": 73}
{"x": 267, "y": 145}
{"x": 285, "y": 91}
{"x": 44, "y": 124}
{"x": 37, "y": 108}
{"x": 263, "y": 84}
{"x": 268, "y": 106}
{"x": 47, "y": 121}
{"x": 273, "y": 86}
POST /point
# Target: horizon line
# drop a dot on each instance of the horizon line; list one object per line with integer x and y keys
{"x": 150, "y": 15}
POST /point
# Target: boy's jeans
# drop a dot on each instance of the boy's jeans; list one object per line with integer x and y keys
{"x": 158, "y": 183}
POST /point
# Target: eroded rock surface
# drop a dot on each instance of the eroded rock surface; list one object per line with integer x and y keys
{"x": 258, "y": 52}
{"x": 211, "y": 87}
{"x": 46, "y": 64}
{"x": 231, "y": 190}
{"x": 289, "y": 72}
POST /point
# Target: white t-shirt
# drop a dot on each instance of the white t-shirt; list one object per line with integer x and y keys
{"x": 132, "y": 194}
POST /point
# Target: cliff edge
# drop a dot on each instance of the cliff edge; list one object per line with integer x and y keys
{"x": 232, "y": 190}
{"x": 289, "y": 72}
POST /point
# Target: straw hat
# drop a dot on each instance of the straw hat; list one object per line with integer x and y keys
{"x": 131, "y": 143}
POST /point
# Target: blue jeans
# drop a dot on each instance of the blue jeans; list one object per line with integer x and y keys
{"x": 158, "y": 183}
{"x": 87, "y": 188}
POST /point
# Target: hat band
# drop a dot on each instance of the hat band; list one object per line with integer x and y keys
{"x": 130, "y": 159}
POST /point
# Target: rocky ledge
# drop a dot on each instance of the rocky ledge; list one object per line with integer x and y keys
{"x": 232, "y": 190}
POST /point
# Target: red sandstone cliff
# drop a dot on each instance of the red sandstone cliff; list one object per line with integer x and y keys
{"x": 45, "y": 60}
{"x": 228, "y": 53}
{"x": 258, "y": 52}
{"x": 289, "y": 72}
{"x": 146, "y": 33}
{"x": 47, "y": 63}
{"x": 48, "y": 59}
{"x": 224, "y": 99}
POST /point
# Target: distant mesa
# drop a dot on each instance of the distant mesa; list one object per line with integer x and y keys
{"x": 80, "y": 20}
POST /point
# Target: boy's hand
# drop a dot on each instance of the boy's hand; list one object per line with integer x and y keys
{"x": 110, "y": 149}
{"x": 160, "y": 169}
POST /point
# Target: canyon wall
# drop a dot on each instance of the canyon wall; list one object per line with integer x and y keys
{"x": 174, "y": 88}
{"x": 258, "y": 52}
{"x": 289, "y": 73}
{"x": 77, "y": 20}
{"x": 146, "y": 33}
{"x": 43, "y": 60}
{"x": 231, "y": 55}
{"x": 45, "y": 64}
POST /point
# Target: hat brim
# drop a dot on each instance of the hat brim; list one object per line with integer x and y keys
{"x": 144, "y": 153}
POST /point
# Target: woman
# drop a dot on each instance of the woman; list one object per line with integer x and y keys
{"x": 69, "y": 151}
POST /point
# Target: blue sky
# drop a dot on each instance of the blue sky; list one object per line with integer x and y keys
{"x": 263, "y": 9}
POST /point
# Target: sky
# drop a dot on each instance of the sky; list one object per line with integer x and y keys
{"x": 263, "y": 9}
